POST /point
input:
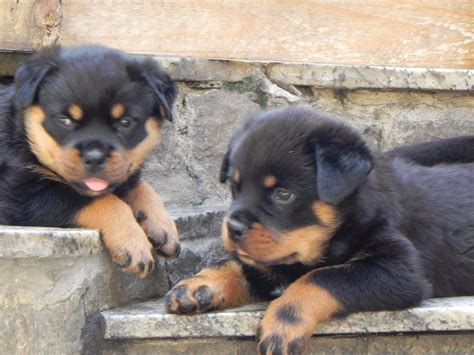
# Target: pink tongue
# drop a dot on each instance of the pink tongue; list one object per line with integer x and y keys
{"x": 96, "y": 184}
{"x": 241, "y": 252}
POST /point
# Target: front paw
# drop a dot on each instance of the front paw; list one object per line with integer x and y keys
{"x": 162, "y": 233}
{"x": 133, "y": 255}
{"x": 151, "y": 214}
{"x": 283, "y": 330}
{"x": 194, "y": 295}
{"x": 121, "y": 234}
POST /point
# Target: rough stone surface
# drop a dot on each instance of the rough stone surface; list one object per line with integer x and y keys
{"x": 54, "y": 281}
{"x": 199, "y": 230}
{"x": 449, "y": 343}
{"x": 371, "y": 77}
{"x": 320, "y": 75}
{"x": 9, "y": 62}
{"x": 37, "y": 242}
{"x": 150, "y": 320}
{"x": 185, "y": 166}
{"x": 44, "y": 302}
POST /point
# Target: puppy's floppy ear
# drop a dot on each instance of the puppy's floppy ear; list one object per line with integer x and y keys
{"x": 342, "y": 163}
{"x": 224, "y": 172}
{"x": 159, "y": 81}
{"x": 31, "y": 73}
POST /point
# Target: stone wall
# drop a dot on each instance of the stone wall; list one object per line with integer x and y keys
{"x": 390, "y": 106}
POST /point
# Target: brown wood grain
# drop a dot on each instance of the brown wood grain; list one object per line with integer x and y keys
{"x": 29, "y": 24}
{"x": 408, "y": 33}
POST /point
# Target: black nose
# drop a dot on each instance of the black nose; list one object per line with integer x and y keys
{"x": 237, "y": 229}
{"x": 94, "y": 157}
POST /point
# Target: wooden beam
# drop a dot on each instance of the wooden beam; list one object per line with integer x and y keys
{"x": 28, "y": 24}
{"x": 405, "y": 33}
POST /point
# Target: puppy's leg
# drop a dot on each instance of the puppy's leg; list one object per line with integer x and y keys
{"x": 122, "y": 236}
{"x": 153, "y": 218}
{"x": 212, "y": 288}
{"x": 370, "y": 284}
{"x": 291, "y": 319}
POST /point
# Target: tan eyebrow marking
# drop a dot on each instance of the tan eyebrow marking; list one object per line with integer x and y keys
{"x": 237, "y": 176}
{"x": 117, "y": 111}
{"x": 76, "y": 112}
{"x": 270, "y": 181}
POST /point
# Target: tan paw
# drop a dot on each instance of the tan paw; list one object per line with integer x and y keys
{"x": 194, "y": 295}
{"x": 213, "y": 288}
{"x": 161, "y": 231}
{"x": 283, "y": 330}
{"x": 132, "y": 254}
{"x": 291, "y": 319}
{"x": 151, "y": 214}
{"x": 123, "y": 237}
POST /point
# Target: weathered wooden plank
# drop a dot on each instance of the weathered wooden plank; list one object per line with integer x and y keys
{"x": 27, "y": 24}
{"x": 405, "y": 33}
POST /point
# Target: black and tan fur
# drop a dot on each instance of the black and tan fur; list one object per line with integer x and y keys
{"x": 75, "y": 129}
{"x": 340, "y": 227}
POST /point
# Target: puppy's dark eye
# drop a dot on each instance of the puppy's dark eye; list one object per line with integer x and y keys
{"x": 283, "y": 196}
{"x": 125, "y": 123}
{"x": 66, "y": 122}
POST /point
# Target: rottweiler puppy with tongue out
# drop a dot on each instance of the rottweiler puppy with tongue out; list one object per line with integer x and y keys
{"x": 75, "y": 129}
{"x": 340, "y": 227}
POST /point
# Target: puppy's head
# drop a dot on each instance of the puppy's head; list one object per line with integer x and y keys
{"x": 289, "y": 171}
{"x": 92, "y": 114}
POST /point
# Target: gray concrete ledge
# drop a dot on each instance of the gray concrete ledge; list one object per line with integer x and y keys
{"x": 37, "y": 242}
{"x": 320, "y": 75}
{"x": 407, "y": 344}
{"x": 288, "y": 73}
{"x": 150, "y": 320}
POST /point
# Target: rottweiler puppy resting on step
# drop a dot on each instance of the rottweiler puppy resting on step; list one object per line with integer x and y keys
{"x": 75, "y": 129}
{"x": 338, "y": 225}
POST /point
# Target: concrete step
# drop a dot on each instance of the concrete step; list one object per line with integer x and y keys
{"x": 54, "y": 281}
{"x": 147, "y": 327}
{"x": 18, "y": 242}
